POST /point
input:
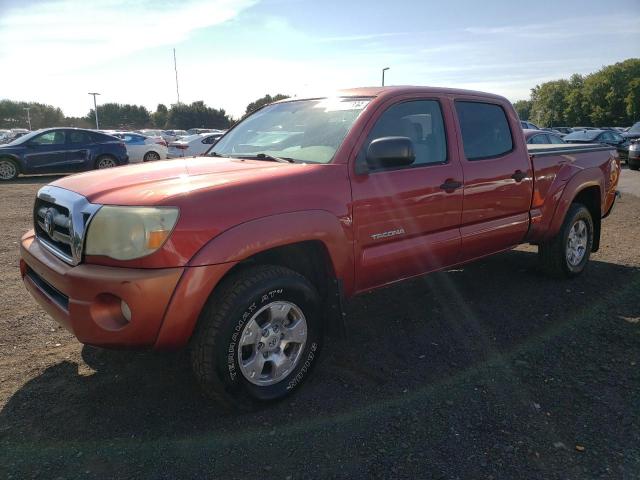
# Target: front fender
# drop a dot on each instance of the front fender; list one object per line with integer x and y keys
{"x": 242, "y": 241}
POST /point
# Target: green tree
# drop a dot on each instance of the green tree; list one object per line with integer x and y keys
{"x": 121, "y": 116}
{"x": 160, "y": 116}
{"x": 523, "y": 107}
{"x": 13, "y": 115}
{"x": 267, "y": 99}
{"x": 197, "y": 115}
{"x": 548, "y": 103}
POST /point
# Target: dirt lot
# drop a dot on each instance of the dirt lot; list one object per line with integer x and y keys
{"x": 490, "y": 371}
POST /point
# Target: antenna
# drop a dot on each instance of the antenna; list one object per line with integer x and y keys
{"x": 175, "y": 66}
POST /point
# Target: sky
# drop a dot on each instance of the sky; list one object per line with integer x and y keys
{"x": 231, "y": 52}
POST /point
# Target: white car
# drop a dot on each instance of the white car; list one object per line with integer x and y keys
{"x": 143, "y": 149}
{"x": 192, "y": 145}
{"x": 173, "y": 135}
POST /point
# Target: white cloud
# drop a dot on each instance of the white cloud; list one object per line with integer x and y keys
{"x": 66, "y": 35}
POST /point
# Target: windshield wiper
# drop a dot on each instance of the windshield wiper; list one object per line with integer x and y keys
{"x": 271, "y": 158}
{"x": 216, "y": 154}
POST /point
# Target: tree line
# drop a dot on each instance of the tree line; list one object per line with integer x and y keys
{"x": 116, "y": 116}
{"x": 608, "y": 97}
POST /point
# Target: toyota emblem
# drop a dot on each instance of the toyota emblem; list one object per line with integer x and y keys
{"x": 49, "y": 224}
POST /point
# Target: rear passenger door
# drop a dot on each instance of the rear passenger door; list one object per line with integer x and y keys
{"x": 498, "y": 178}
{"x": 78, "y": 153}
{"x": 406, "y": 219}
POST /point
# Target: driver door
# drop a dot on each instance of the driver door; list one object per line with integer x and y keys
{"x": 47, "y": 153}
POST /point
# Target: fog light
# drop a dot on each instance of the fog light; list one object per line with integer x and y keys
{"x": 126, "y": 311}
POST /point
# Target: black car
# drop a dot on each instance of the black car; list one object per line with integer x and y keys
{"x": 60, "y": 150}
{"x": 607, "y": 137}
{"x": 633, "y": 132}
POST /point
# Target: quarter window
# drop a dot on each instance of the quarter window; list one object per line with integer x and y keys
{"x": 485, "y": 130}
{"x": 421, "y": 121}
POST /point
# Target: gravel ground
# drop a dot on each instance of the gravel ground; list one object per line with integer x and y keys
{"x": 491, "y": 371}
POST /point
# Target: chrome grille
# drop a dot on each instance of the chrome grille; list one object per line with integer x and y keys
{"x": 60, "y": 219}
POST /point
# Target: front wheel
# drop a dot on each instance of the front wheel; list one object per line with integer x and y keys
{"x": 567, "y": 254}
{"x": 8, "y": 169}
{"x": 258, "y": 337}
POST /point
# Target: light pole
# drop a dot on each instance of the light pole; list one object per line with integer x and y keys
{"x": 95, "y": 108}
{"x": 384, "y": 70}
{"x": 28, "y": 116}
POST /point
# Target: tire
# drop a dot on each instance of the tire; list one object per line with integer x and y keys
{"x": 151, "y": 156}
{"x": 240, "y": 340}
{"x": 633, "y": 164}
{"x": 567, "y": 254}
{"x": 8, "y": 170}
{"x": 106, "y": 161}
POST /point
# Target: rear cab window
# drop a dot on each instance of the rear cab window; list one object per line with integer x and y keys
{"x": 485, "y": 130}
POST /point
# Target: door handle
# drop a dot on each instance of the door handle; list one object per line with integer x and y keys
{"x": 519, "y": 175}
{"x": 450, "y": 185}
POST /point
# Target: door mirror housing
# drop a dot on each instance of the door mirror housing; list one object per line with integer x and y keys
{"x": 390, "y": 152}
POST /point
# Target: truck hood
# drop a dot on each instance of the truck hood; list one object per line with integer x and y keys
{"x": 160, "y": 182}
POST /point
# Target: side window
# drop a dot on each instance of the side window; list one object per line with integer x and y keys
{"x": 541, "y": 138}
{"x": 606, "y": 137}
{"x": 55, "y": 137}
{"x": 554, "y": 139}
{"x": 485, "y": 130}
{"x": 76, "y": 136}
{"x": 421, "y": 121}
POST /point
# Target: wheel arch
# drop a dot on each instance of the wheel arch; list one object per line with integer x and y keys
{"x": 15, "y": 159}
{"x": 585, "y": 187}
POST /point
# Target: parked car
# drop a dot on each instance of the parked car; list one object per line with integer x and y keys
{"x": 192, "y": 145}
{"x": 143, "y": 149}
{"x": 12, "y": 135}
{"x": 633, "y": 132}
{"x": 534, "y": 137}
{"x": 247, "y": 258}
{"x": 200, "y": 131}
{"x": 60, "y": 150}
{"x": 608, "y": 137}
{"x": 528, "y": 125}
{"x": 633, "y": 159}
{"x": 173, "y": 135}
{"x": 150, "y": 132}
{"x": 553, "y": 130}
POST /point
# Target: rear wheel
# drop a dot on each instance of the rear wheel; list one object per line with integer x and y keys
{"x": 106, "y": 161}
{"x": 567, "y": 254}
{"x": 633, "y": 164}
{"x": 258, "y": 337}
{"x": 8, "y": 169}
{"x": 151, "y": 156}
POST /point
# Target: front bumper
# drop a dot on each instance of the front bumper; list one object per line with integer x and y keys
{"x": 86, "y": 299}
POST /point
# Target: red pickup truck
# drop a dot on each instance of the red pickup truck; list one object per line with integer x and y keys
{"x": 247, "y": 254}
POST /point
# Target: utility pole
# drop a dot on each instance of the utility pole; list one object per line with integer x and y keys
{"x": 175, "y": 67}
{"x": 28, "y": 116}
{"x": 95, "y": 108}
{"x": 384, "y": 70}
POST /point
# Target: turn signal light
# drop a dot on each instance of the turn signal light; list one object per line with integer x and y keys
{"x": 157, "y": 238}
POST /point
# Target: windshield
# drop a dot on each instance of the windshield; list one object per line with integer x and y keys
{"x": 582, "y": 135}
{"x": 301, "y": 130}
{"x": 635, "y": 128}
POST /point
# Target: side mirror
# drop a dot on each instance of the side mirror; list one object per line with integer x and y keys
{"x": 389, "y": 152}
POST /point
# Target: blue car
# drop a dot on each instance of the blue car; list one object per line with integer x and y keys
{"x": 60, "y": 150}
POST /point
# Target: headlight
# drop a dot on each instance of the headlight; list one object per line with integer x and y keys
{"x": 125, "y": 233}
